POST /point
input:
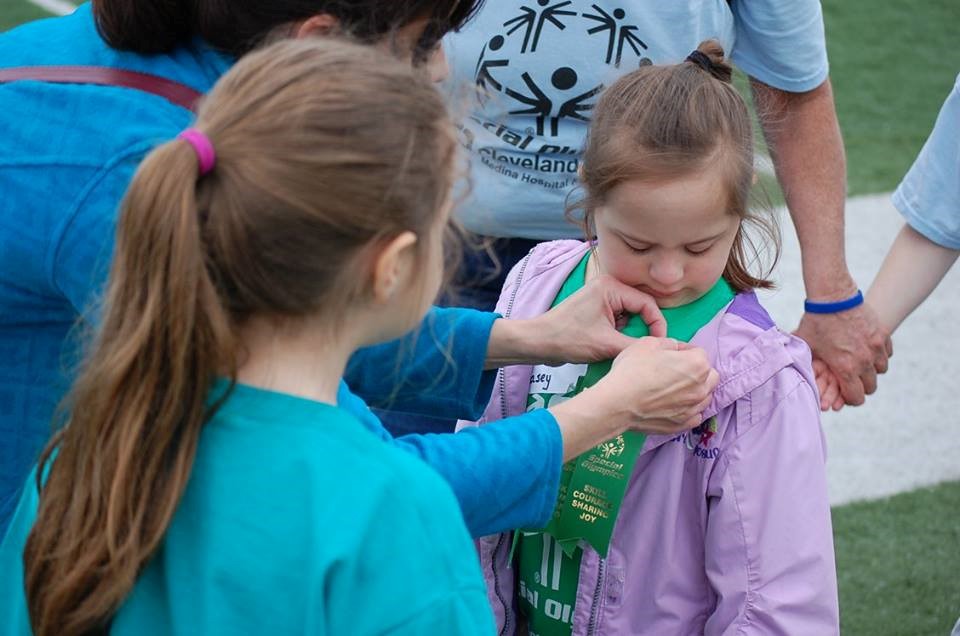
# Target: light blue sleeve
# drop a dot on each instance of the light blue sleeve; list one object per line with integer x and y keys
{"x": 781, "y": 43}
{"x": 437, "y": 371}
{"x": 929, "y": 195}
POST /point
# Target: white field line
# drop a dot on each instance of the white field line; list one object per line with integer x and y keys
{"x": 56, "y": 7}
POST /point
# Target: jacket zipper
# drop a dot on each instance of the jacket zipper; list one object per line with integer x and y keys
{"x": 503, "y": 406}
{"x": 496, "y": 585}
{"x": 506, "y": 314}
{"x": 597, "y": 593}
{"x": 595, "y": 608}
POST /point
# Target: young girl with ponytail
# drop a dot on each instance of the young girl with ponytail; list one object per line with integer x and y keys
{"x": 721, "y": 530}
{"x": 207, "y": 481}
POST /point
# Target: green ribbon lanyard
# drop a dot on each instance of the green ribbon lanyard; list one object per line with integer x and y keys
{"x": 593, "y": 485}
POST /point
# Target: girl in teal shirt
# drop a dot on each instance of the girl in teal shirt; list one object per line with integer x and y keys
{"x": 208, "y": 481}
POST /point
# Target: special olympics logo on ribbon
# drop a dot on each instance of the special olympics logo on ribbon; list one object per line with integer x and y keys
{"x": 613, "y": 448}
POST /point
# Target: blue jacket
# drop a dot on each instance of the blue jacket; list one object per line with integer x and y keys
{"x": 67, "y": 153}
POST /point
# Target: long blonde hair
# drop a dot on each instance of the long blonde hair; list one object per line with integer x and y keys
{"x": 323, "y": 149}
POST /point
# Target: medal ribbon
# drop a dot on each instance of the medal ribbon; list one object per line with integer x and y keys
{"x": 593, "y": 485}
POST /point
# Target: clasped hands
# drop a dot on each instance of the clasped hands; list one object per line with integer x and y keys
{"x": 849, "y": 350}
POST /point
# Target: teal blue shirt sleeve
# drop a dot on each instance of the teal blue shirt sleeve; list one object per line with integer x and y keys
{"x": 929, "y": 195}
{"x": 437, "y": 370}
{"x": 505, "y": 475}
{"x": 781, "y": 43}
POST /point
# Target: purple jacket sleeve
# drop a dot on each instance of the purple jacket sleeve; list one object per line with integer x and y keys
{"x": 769, "y": 543}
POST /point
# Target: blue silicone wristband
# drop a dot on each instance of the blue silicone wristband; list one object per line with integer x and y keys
{"x": 833, "y": 308}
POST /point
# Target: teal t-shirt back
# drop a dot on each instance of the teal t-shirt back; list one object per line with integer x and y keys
{"x": 296, "y": 520}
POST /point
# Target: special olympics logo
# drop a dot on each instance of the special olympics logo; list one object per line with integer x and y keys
{"x": 549, "y": 94}
{"x": 613, "y": 448}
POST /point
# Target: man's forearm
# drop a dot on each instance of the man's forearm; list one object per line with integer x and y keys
{"x": 803, "y": 135}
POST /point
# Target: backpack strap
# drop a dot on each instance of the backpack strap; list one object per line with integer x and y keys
{"x": 174, "y": 92}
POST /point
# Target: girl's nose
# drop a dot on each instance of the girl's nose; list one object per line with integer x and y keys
{"x": 666, "y": 271}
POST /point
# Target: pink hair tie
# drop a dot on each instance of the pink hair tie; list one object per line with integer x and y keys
{"x": 202, "y": 145}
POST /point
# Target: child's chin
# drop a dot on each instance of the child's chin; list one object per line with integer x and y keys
{"x": 670, "y": 303}
{"x": 679, "y": 300}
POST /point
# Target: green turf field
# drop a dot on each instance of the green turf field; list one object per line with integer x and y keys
{"x": 14, "y": 12}
{"x": 892, "y": 65}
{"x": 898, "y": 563}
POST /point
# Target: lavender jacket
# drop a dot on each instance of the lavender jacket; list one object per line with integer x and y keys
{"x": 718, "y": 534}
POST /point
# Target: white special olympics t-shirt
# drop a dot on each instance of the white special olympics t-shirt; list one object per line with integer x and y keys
{"x": 542, "y": 63}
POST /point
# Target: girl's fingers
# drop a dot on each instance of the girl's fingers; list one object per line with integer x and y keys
{"x": 630, "y": 300}
{"x": 829, "y": 387}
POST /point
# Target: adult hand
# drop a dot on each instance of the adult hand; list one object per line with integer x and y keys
{"x": 853, "y": 345}
{"x": 657, "y": 385}
{"x": 665, "y": 385}
{"x": 583, "y": 328}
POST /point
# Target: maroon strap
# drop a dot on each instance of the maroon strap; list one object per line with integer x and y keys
{"x": 174, "y": 92}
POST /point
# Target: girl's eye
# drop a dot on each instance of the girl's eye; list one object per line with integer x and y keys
{"x": 636, "y": 249}
{"x": 699, "y": 250}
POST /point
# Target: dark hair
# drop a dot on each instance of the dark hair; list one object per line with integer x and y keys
{"x": 324, "y": 150}
{"x": 236, "y": 27}
{"x": 663, "y": 122}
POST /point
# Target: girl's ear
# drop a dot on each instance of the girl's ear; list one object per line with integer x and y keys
{"x": 322, "y": 24}
{"x": 756, "y": 177}
{"x": 393, "y": 266}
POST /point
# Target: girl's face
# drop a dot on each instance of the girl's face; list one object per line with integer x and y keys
{"x": 669, "y": 239}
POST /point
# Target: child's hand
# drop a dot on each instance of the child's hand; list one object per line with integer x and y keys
{"x": 829, "y": 386}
